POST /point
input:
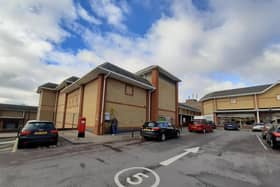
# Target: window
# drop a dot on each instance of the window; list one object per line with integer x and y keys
{"x": 129, "y": 90}
{"x": 232, "y": 100}
{"x": 278, "y": 97}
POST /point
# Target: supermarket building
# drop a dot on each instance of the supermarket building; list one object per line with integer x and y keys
{"x": 244, "y": 105}
{"x": 109, "y": 91}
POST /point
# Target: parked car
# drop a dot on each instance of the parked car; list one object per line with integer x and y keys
{"x": 212, "y": 124}
{"x": 200, "y": 125}
{"x": 231, "y": 126}
{"x": 37, "y": 132}
{"x": 160, "y": 130}
{"x": 258, "y": 127}
{"x": 267, "y": 126}
{"x": 273, "y": 136}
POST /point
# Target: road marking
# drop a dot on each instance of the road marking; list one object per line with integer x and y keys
{"x": 265, "y": 148}
{"x": 15, "y": 146}
{"x": 7, "y": 142}
{"x": 173, "y": 159}
{"x": 138, "y": 177}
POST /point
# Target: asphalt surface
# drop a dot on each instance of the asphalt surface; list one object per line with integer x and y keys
{"x": 225, "y": 158}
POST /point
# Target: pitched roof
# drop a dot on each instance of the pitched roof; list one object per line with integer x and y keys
{"x": 71, "y": 79}
{"x": 188, "y": 107}
{"x": 161, "y": 70}
{"x": 237, "y": 92}
{"x": 114, "y": 72}
{"x": 48, "y": 85}
{"x": 122, "y": 71}
{"x": 17, "y": 107}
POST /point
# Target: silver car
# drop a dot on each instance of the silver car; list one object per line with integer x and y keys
{"x": 258, "y": 127}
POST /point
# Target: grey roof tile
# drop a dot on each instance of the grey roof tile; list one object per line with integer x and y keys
{"x": 238, "y": 91}
{"x": 12, "y": 107}
{"x": 122, "y": 71}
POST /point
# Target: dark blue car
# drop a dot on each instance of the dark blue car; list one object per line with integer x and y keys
{"x": 231, "y": 126}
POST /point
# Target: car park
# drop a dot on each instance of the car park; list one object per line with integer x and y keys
{"x": 273, "y": 136}
{"x": 161, "y": 130}
{"x": 267, "y": 126}
{"x": 37, "y": 133}
{"x": 231, "y": 126}
{"x": 258, "y": 127}
{"x": 200, "y": 125}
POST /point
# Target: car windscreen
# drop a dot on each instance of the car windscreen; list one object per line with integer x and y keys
{"x": 278, "y": 130}
{"x": 39, "y": 125}
{"x": 163, "y": 124}
{"x": 259, "y": 124}
{"x": 150, "y": 125}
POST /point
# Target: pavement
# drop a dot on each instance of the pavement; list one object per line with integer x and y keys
{"x": 219, "y": 159}
{"x": 71, "y": 136}
{"x": 8, "y": 134}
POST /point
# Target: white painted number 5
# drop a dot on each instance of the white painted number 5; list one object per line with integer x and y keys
{"x": 138, "y": 177}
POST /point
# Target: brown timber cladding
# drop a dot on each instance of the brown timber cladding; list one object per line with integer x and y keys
{"x": 72, "y": 110}
{"x": 89, "y": 102}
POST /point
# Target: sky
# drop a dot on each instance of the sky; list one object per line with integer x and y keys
{"x": 209, "y": 44}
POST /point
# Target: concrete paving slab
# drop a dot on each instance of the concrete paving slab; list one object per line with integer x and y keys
{"x": 8, "y": 134}
{"x": 71, "y": 136}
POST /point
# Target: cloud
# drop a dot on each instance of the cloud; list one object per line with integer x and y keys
{"x": 205, "y": 49}
{"x": 86, "y": 16}
{"x": 233, "y": 39}
{"x": 112, "y": 12}
{"x": 28, "y": 32}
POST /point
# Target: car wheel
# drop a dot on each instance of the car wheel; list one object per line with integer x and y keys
{"x": 178, "y": 134}
{"x": 145, "y": 138}
{"x": 162, "y": 137}
{"x": 20, "y": 145}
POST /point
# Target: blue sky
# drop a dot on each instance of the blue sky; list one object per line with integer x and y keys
{"x": 209, "y": 44}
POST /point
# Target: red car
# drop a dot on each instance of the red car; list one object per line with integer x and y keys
{"x": 200, "y": 125}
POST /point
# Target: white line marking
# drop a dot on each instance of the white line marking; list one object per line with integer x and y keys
{"x": 265, "y": 148}
{"x": 15, "y": 146}
{"x": 119, "y": 184}
{"x": 7, "y": 142}
{"x": 173, "y": 159}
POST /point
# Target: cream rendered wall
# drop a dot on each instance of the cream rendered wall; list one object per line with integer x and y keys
{"x": 116, "y": 92}
{"x": 129, "y": 110}
{"x": 269, "y": 98}
{"x": 208, "y": 107}
{"x": 90, "y": 102}
{"x": 127, "y": 116}
{"x": 46, "y": 105}
{"x": 167, "y": 95}
{"x": 242, "y": 102}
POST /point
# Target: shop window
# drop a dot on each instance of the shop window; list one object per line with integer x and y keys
{"x": 129, "y": 90}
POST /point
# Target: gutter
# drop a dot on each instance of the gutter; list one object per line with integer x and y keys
{"x": 149, "y": 110}
{"x": 103, "y": 97}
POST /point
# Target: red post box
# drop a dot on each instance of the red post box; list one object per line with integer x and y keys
{"x": 81, "y": 127}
